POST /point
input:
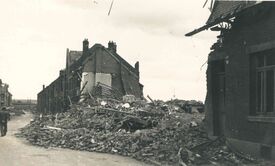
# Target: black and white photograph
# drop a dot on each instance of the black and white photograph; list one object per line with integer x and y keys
{"x": 137, "y": 83}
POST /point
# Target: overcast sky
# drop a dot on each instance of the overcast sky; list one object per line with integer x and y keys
{"x": 34, "y": 36}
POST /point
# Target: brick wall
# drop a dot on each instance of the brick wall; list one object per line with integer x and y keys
{"x": 55, "y": 97}
{"x": 248, "y": 30}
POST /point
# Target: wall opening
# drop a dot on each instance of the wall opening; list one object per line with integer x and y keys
{"x": 218, "y": 95}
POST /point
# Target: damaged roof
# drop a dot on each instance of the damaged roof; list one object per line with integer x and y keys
{"x": 224, "y": 10}
{"x": 73, "y": 56}
{"x": 79, "y": 57}
{"x": 123, "y": 61}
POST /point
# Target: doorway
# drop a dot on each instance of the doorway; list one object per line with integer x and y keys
{"x": 218, "y": 86}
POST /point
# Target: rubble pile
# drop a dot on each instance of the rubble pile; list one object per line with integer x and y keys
{"x": 15, "y": 111}
{"x": 160, "y": 133}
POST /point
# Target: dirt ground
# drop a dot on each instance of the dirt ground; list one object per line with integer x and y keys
{"x": 15, "y": 151}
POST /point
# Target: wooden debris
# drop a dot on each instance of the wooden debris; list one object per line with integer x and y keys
{"x": 111, "y": 7}
{"x": 145, "y": 132}
{"x": 52, "y": 128}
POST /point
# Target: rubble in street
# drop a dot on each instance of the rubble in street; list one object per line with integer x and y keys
{"x": 160, "y": 133}
{"x": 15, "y": 111}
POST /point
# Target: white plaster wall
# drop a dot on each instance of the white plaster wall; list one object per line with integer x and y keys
{"x": 88, "y": 77}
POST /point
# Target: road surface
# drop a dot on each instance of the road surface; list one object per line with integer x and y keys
{"x": 18, "y": 152}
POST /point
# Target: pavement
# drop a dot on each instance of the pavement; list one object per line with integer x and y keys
{"x": 18, "y": 152}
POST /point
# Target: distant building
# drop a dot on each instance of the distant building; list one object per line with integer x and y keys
{"x": 5, "y": 95}
{"x": 89, "y": 72}
{"x": 240, "y": 102}
{"x": 26, "y": 104}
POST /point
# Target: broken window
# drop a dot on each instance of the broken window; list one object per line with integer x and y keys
{"x": 265, "y": 70}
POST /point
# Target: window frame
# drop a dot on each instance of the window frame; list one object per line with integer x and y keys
{"x": 263, "y": 70}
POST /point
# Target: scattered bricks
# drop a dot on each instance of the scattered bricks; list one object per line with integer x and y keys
{"x": 159, "y": 133}
{"x": 129, "y": 99}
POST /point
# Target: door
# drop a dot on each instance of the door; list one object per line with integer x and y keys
{"x": 219, "y": 104}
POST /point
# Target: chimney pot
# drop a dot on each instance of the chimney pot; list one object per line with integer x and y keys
{"x": 112, "y": 46}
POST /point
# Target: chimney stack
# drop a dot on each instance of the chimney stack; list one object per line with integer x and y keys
{"x": 137, "y": 67}
{"x": 85, "y": 46}
{"x": 112, "y": 46}
{"x": 43, "y": 87}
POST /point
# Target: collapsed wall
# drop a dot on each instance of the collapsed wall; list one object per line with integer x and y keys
{"x": 97, "y": 71}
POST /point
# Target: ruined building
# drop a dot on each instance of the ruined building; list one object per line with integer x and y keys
{"x": 93, "y": 71}
{"x": 5, "y": 95}
{"x": 240, "y": 76}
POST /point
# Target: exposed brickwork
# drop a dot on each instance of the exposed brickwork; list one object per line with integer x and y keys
{"x": 66, "y": 88}
{"x": 251, "y": 28}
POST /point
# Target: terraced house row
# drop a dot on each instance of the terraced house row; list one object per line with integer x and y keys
{"x": 96, "y": 70}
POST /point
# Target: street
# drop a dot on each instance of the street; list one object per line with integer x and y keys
{"x": 15, "y": 151}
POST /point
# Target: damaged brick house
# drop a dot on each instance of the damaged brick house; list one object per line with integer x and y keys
{"x": 240, "y": 76}
{"x": 93, "y": 71}
{"x": 5, "y": 95}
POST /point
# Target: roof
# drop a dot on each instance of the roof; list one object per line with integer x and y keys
{"x": 224, "y": 10}
{"x": 116, "y": 56}
{"x": 73, "y": 56}
{"x": 130, "y": 85}
{"x": 121, "y": 60}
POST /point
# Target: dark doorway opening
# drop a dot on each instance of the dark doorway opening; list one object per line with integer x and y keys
{"x": 218, "y": 87}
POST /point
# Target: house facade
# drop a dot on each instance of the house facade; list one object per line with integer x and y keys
{"x": 5, "y": 95}
{"x": 240, "y": 100}
{"x": 90, "y": 72}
